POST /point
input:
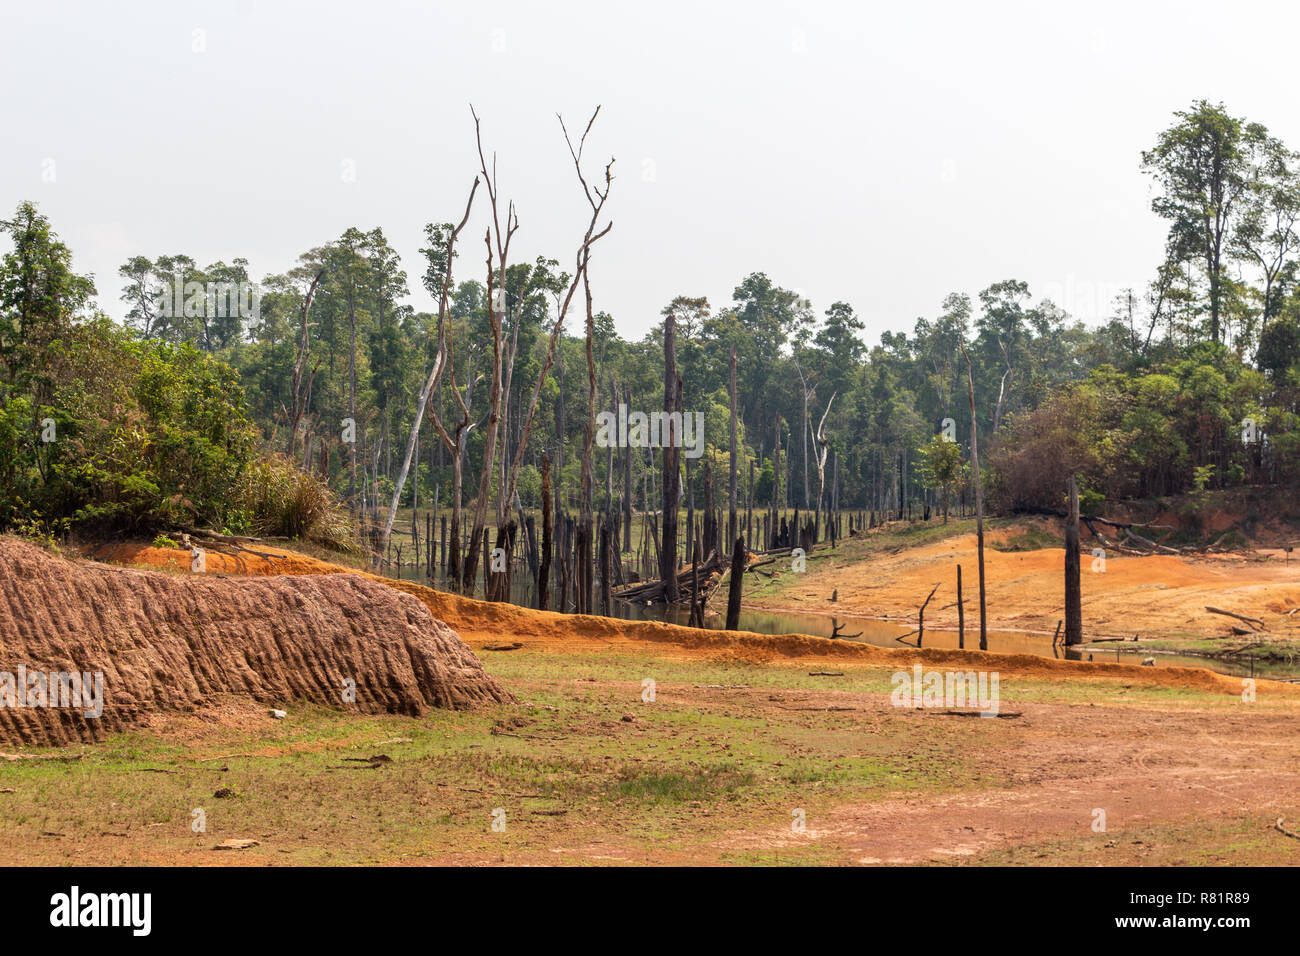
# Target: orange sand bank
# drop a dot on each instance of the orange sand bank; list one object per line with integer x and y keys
{"x": 481, "y": 623}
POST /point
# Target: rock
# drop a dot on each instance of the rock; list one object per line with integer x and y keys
{"x": 236, "y": 845}
{"x": 279, "y": 714}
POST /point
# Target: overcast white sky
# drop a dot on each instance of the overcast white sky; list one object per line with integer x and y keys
{"x": 883, "y": 154}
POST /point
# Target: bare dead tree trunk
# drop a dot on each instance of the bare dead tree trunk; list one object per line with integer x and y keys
{"x": 490, "y": 435}
{"x": 596, "y": 198}
{"x": 544, "y": 570}
{"x": 979, "y": 498}
{"x": 496, "y": 281}
{"x": 805, "y": 428}
{"x": 1002, "y": 388}
{"x": 732, "y": 529}
{"x": 504, "y": 499}
{"x": 697, "y": 611}
{"x": 627, "y": 482}
{"x": 606, "y": 572}
{"x": 435, "y": 375}
{"x": 961, "y": 614}
{"x": 736, "y": 587}
{"x": 822, "y": 447}
{"x": 776, "y": 485}
{"x": 584, "y": 556}
{"x": 609, "y": 452}
{"x": 1073, "y": 592}
{"x": 668, "y": 549}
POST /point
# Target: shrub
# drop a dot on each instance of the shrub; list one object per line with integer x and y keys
{"x": 113, "y": 434}
{"x": 1033, "y": 458}
{"x": 283, "y": 500}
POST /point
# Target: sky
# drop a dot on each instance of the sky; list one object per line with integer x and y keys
{"x": 878, "y": 154}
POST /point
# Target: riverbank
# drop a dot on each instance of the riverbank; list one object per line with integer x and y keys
{"x": 485, "y": 625}
{"x": 1162, "y": 599}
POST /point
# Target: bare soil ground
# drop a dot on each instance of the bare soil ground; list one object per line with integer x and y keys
{"x": 746, "y": 736}
{"x": 1161, "y": 596}
{"x": 714, "y": 770}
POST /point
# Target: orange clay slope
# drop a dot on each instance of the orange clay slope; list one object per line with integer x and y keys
{"x": 482, "y": 623}
{"x": 1152, "y": 596}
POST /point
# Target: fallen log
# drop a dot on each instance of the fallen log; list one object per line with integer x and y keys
{"x": 1239, "y": 617}
{"x": 653, "y": 592}
{"x": 210, "y": 535}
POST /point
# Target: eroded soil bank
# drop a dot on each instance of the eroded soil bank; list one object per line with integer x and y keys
{"x": 483, "y": 623}
{"x": 160, "y": 642}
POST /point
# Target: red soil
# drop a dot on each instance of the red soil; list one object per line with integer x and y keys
{"x": 167, "y": 643}
{"x": 481, "y": 623}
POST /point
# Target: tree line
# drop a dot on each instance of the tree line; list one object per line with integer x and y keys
{"x": 1192, "y": 382}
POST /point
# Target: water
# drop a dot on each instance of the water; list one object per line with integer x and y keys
{"x": 886, "y": 633}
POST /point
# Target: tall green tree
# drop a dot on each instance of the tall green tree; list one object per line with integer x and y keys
{"x": 1202, "y": 167}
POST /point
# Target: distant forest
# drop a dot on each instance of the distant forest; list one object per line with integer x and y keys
{"x": 220, "y": 386}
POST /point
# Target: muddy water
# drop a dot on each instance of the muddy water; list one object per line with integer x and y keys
{"x": 886, "y": 634}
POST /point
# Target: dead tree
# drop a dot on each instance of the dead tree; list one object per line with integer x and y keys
{"x": 979, "y": 497}
{"x": 544, "y": 568}
{"x": 671, "y": 482}
{"x": 822, "y": 447}
{"x": 586, "y": 511}
{"x": 837, "y": 630}
{"x": 1002, "y": 389}
{"x": 809, "y": 393}
{"x": 961, "y": 614}
{"x": 605, "y": 570}
{"x": 732, "y": 529}
{"x": 1073, "y": 593}
{"x": 736, "y": 587}
{"x": 920, "y": 616}
{"x": 435, "y": 375}
{"x": 496, "y": 282}
{"x": 627, "y": 483}
{"x": 596, "y": 198}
